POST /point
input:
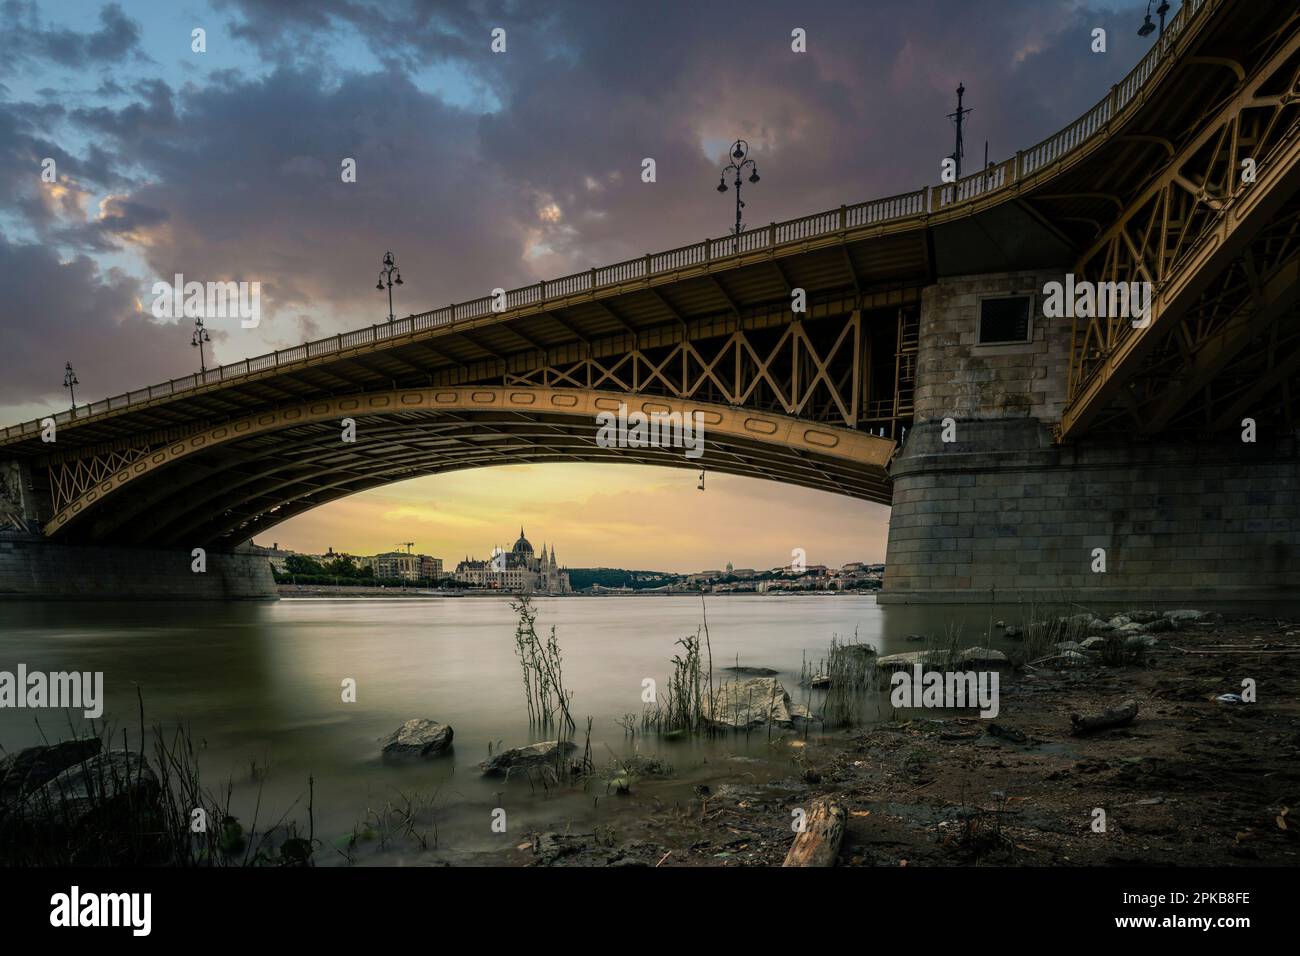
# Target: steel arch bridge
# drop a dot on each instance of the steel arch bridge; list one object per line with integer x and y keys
{"x": 1144, "y": 186}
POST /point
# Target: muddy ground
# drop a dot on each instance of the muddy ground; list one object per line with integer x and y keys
{"x": 1191, "y": 782}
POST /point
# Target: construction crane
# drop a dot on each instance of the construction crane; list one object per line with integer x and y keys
{"x": 408, "y": 544}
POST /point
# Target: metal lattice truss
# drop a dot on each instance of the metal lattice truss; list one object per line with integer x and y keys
{"x": 1215, "y": 236}
{"x": 72, "y": 477}
{"x": 811, "y": 372}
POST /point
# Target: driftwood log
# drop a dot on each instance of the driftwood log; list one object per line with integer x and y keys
{"x": 1110, "y": 717}
{"x": 819, "y": 843}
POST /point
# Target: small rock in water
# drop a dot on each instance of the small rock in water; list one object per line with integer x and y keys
{"x": 752, "y": 671}
{"x": 523, "y": 758}
{"x": 418, "y": 738}
{"x": 800, "y": 714}
{"x": 905, "y": 659}
{"x": 749, "y": 703}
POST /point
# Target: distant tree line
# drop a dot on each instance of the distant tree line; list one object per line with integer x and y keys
{"x": 583, "y": 578}
{"x": 342, "y": 571}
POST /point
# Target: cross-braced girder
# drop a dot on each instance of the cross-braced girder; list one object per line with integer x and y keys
{"x": 808, "y": 370}
{"x": 1214, "y": 237}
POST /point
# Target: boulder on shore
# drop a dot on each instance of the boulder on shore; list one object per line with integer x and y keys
{"x": 106, "y": 782}
{"x": 980, "y": 655}
{"x": 749, "y": 703}
{"x": 418, "y": 738}
{"x": 1144, "y": 617}
{"x": 34, "y": 767}
{"x": 525, "y": 758}
{"x": 1188, "y": 616}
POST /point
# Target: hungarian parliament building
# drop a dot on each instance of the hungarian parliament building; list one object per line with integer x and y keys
{"x": 518, "y": 569}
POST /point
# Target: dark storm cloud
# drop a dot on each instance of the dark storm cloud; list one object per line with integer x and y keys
{"x": 24, "y": 39}
{"x": 590, "y": 89}
{"x": 402, "y": 33}
{"x": 24, "y": 146}
{"x": 154, "y": 113}
{"x": 245, "y": 182}
{"x": 53, "y": 312}
{"x": 241, "y": 174}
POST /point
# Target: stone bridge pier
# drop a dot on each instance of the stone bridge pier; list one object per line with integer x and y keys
{"x": 33, "y": 567}
{"x": 1000, "y": 512}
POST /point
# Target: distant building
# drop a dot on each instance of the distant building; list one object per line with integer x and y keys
{"x": 430, "y": 568}
{"x": 703, "y": 577}
{"x": 518, "y": 569}
{"x": 275, "y": 555}
{"x": 397, "y": 564}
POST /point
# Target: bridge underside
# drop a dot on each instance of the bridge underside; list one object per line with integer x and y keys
{"x": 221, "y": 487}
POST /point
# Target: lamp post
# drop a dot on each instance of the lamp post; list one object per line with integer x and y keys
{"x": 70, "y": 383}
{"x": 1148, "y": 27}
{"x": 200, "y": 336}
{"x": 740, "y": 160}
{"x": 387, "y": 273}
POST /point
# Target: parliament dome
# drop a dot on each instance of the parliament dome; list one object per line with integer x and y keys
{"x": 523, "y": 545}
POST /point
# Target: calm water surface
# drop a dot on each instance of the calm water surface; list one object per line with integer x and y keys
{"x": 260, "y": 686}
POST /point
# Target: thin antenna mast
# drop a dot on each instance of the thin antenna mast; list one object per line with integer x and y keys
{"x": 958, "y": 118}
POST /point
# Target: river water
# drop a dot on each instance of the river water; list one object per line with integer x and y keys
{"x": 260, "y": 686}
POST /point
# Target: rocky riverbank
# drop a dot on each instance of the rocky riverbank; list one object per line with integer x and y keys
{"x": 1203, "y": 775}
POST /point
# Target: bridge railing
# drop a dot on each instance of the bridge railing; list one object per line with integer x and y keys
{"x": 894, "y": 209}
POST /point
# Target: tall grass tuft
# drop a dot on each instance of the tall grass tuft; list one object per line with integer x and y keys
{"x": 162, "y": 815}
{"x": 542, "y": 668}
{"x": 685, "y": 707}
{"x": 854, "y": 681}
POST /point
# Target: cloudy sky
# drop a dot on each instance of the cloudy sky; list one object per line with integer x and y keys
{"x": 478, "y": 169}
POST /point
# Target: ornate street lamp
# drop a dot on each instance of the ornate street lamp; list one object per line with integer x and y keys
{"x": 200, "y": 336}
{"x": 739, "y": 154}
{"x": 387, "y": 273}
{"x": 1148, "y": 27}
{"x": 70, "y": 383}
